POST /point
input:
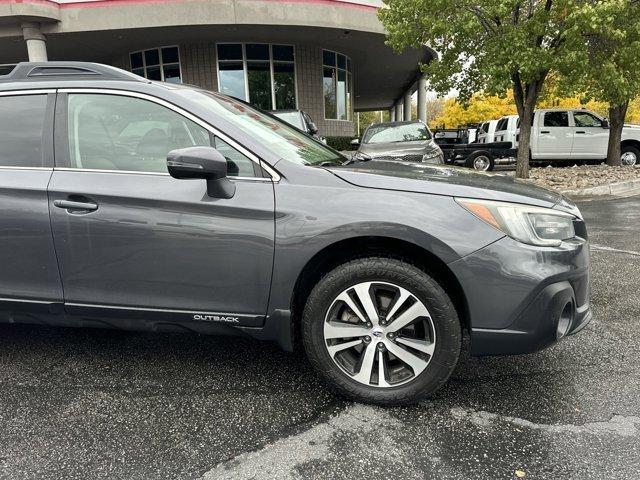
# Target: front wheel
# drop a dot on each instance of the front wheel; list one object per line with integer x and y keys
{"x": 629, "y": 156}
{"x": 381, "y": 331}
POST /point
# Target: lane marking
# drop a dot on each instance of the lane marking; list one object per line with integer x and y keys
{"x": 604, "y": 248}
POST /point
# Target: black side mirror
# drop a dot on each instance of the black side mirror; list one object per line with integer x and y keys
{"x": 313, "y": 129}
{"x": 605, "y": 123}
{"x": 205, "y": 163}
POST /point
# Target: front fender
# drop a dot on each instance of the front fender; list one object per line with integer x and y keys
{"x": 308, "y": 220}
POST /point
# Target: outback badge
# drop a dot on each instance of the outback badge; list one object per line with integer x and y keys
{"x": 216, "y": 318}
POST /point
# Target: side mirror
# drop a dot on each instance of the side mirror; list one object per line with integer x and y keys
{"x": 313, "y": 129}
{"x": 204, "y": 163}
{"x": 355, "y": 141}
{"x": 605, "y": 123}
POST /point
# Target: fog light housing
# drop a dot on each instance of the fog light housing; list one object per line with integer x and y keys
{"x": 566, "y": 319}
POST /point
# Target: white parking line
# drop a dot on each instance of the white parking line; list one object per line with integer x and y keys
{"x": 615, "y": 250}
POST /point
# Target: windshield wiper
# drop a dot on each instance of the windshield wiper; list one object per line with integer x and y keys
{"x": 362, "y": 157}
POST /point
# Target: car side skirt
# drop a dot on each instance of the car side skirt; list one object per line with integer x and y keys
{"x": 275, "y": 327}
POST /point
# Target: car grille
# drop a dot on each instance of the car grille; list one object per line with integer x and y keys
{"x": 404, "y": 158}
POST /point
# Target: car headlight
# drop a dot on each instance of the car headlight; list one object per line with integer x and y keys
{"x": 532, "y": 225}
{"x": 433, "y": 157}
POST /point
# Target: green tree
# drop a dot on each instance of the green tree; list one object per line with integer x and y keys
{"x": 490, "y": 46}
{"x": 609, "y": 64}
{"x": 367, "y": 118}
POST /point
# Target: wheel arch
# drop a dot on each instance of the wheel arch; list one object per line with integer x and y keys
{"x": 366, "y": 246}
{"x": 479, "y": 152}
{"x": 631, "y": 143}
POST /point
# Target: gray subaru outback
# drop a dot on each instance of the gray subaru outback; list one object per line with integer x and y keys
{"x": 138, "y": 205}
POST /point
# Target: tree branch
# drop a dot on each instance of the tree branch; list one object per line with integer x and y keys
{"x": 483, "y": 19}
{"x": 515, "y": 15}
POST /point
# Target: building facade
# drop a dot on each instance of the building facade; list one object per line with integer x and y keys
{"x": 326, "y": 57}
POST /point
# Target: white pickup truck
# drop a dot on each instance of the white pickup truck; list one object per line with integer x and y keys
{"x": 485, "y": 132}
{"x": 559, "y": 134}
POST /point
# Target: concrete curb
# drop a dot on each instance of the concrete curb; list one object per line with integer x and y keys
{"x": 616, "y": 188}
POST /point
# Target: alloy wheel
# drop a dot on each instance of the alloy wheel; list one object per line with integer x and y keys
{"x": 379, "y": 334}
{"x": 628, "y": 158}
{"x": 481, "y": 163}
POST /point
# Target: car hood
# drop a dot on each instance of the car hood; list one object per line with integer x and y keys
{"x": 398, "y": 149}
{"x": 442, "y": 180}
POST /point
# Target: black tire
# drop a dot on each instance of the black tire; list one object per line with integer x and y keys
{"x": 633, "y": 150}
{"x": 470, "y": 162}
{"x": 379, "y": 269}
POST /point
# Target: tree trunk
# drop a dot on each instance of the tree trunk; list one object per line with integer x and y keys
{"x": 526, "y": 97}
{"x": 524, "y": 142}
{"x": 616, "y": 122}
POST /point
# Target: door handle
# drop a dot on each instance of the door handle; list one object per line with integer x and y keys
{"x": 545, "y": 131}
{"x": 75, "y": 206}
{"x": 581, "y": 131}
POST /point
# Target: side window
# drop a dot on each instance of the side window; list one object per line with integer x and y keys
{"x": 21, "y": 130}
{"x": 556, "y": 119}
{"x": 238, "y": 164}
{"x": 584, "y": 119}
{"x": 112, "y": 132}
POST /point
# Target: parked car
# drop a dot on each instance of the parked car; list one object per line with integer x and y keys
{"x": 486, "y": 131}
{"x": 507, "y": 130}
{"x": 151, "y": 206}
{"x": 301, "y": 120}
{"x": 409, "y": 141}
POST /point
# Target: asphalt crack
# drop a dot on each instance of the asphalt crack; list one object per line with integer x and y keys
{"x": 618, "y": 425}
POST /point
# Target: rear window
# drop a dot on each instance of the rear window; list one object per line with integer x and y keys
{"x": 21, "y": 129}
{"x": 502, "y": 124}
{"x": 556, "y": 119}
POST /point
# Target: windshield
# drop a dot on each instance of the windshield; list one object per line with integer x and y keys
{"x": 292, "y": 118}
{"x": 403, "y": 132}
{"x": 282, "y": 139}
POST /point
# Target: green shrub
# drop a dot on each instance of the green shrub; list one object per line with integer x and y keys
{"x": 341, "y": 143}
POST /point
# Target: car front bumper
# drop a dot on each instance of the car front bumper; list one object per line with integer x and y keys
{"x": 522, "y": 298}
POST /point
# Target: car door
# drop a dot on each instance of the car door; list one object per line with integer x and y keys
{"x": 555, "y": 136}
{"x": 29, "y": 277}
{"x": 590, "y": 139}
{"x": 130, "y": 237}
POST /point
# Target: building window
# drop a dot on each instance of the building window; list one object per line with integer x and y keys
{"x": 262, "y": 74}
{"x": 161, "y": 64}
{"x": 337, "y": 86}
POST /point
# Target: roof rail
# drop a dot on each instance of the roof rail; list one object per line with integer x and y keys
{"x": 28, "y": 71}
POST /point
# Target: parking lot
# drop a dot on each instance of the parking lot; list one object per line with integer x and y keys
{"x": 88, "y": 404}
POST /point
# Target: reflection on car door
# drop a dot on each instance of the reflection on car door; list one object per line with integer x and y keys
{"x": 129, "y": 236}
{"x": 29, "y": 277}
{"x": 590, "y": 139}
{"x": 555, "y": 136}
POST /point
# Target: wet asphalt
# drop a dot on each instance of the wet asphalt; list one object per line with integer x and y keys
{"x": 84, "y": 404}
